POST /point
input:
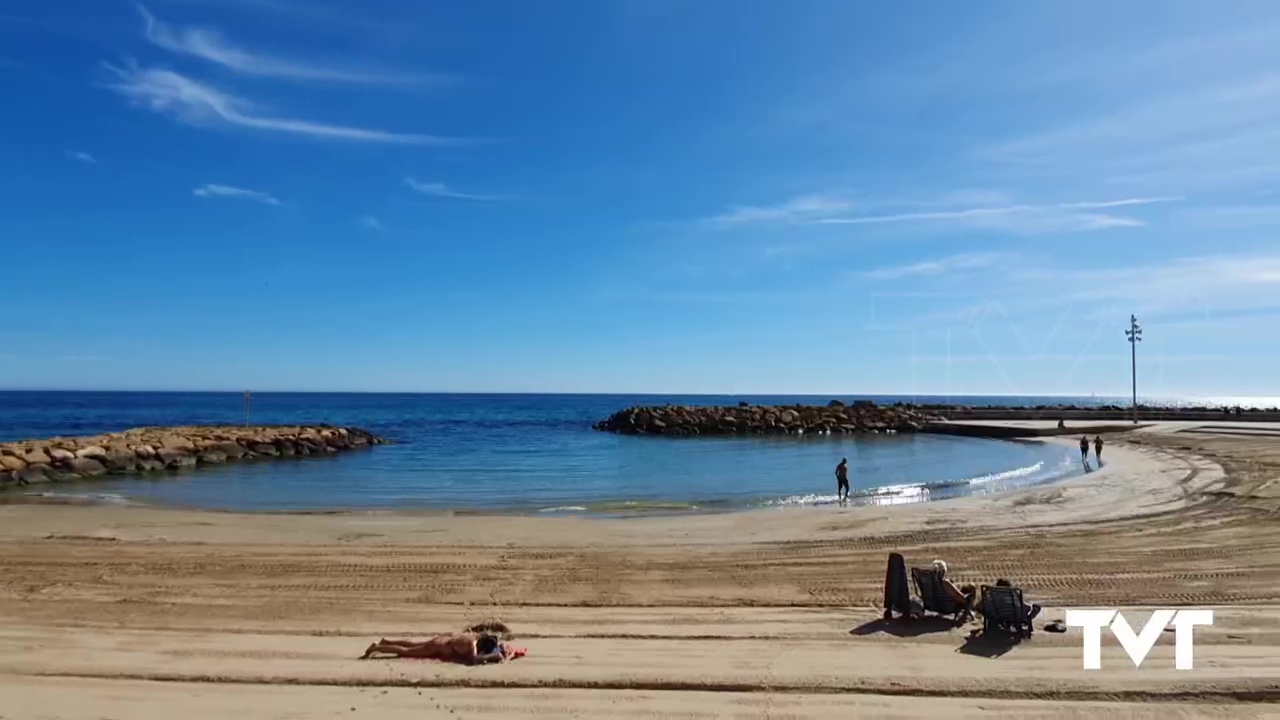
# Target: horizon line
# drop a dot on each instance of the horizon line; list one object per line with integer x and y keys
{"x": 832, "y": 395}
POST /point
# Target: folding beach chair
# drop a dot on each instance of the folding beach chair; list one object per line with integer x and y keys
{"x": 935, "y": 598}
{"x": 1003, "y": 609}
{"x": 897, "y": 590}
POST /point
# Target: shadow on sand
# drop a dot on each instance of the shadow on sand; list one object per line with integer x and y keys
{"x": 990, "y": 646}
{"x": 905, "y": 628}
{"x": 977, "y": 643}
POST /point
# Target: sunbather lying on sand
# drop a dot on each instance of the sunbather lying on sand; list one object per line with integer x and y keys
{"x": 464, "y": 648}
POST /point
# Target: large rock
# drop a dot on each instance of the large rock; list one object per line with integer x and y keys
{"x": 95, "y": 452}
{"x": 144, "y": 452}
{"x": 176, "y": 442}
{"x": 35, "y": 455}
{"x": 61, "y": 456}
{"x": 88, "y": 467}
{"x": 12, "y": 464}
{"x": 175, "y": 458}
{"x": 119, "y": 460}
{"x": 262, "y": 448}
{"x": 232, "y": 449}
{"x": 211, "y": 456}
{"x": 35, "y": 474}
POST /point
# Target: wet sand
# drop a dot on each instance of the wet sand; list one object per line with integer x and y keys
{"x": 110, "y": 611}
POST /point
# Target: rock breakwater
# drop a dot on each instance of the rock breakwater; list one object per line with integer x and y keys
{"x": 747, "y": 419}
{"x": 144, "y": 450}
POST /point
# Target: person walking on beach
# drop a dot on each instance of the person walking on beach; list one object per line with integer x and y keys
{"x": 1097, "y": 448}
{"x": 842, "y": 480}
{"x": 1084, "y": 449}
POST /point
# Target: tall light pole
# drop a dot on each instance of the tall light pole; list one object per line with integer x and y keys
{"x": 1134, "y": 333}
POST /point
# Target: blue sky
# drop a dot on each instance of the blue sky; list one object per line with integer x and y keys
{"x": 640, "y": 195}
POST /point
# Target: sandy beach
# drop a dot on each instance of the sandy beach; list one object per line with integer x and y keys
{"x": 116, "y": 611}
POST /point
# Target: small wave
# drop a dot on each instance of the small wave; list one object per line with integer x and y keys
{"x": 907, "y": 492}
{"x": 100, "y": 498}
{"x": 809, "y": 499}
{"x": 1007, "y": 474}
{"x": 616, "y": 507}
{"x": 631, "y": 506}
{"x": 1013, "y": 474}
{"x": 862, "y": 497}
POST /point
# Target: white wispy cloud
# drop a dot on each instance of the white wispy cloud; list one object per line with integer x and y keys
{"x": 1183, "y": 106}
{"x": 189, "y": 101}
{"x": 440, "y": 190}
{"x": 1227, "y": 282}
{"x": 372, "y": 223}
{"x": 940, "y": 266}
{"x": 1204, "y": 284}
{"x": 1223, "y": 132}
{"x": 798, "y": 209}
{"x": 83, "y": 157}
{"x": 1021, "y": 219}
{"x": 1150, "y": 122}
{"x": 1118, "y": 203}
{"x": 226, "y": 191}
{"x": 208, "y": 44}
{"x": 976, "y": 197}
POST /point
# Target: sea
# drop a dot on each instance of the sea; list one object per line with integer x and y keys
{"x": 533, "y": 454}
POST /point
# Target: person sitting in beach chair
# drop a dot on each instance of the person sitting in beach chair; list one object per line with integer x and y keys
{"x": 940, "y": 595}
{"x": 464, "y": 648}
{"x": 1003, "y": 608}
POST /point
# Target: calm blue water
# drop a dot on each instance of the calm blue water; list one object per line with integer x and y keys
{"x": 531, "y": 453}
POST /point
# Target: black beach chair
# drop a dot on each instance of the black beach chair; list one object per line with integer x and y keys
{"x": 897, "y": 590}
{"x": 1003, "y": 609}
{"x": 936, "y": 599}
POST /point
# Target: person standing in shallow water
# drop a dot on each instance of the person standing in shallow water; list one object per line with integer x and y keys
{"x": 842, "y": 480}
{"x": 1097, "y": 448}
{"x": 1084, "y": 449}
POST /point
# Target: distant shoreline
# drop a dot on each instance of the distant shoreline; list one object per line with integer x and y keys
{"x": 920, "y": 399}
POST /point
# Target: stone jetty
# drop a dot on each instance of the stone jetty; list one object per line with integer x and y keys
{"x": 746, "y": 419}
{"x": 144, "y": 450}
